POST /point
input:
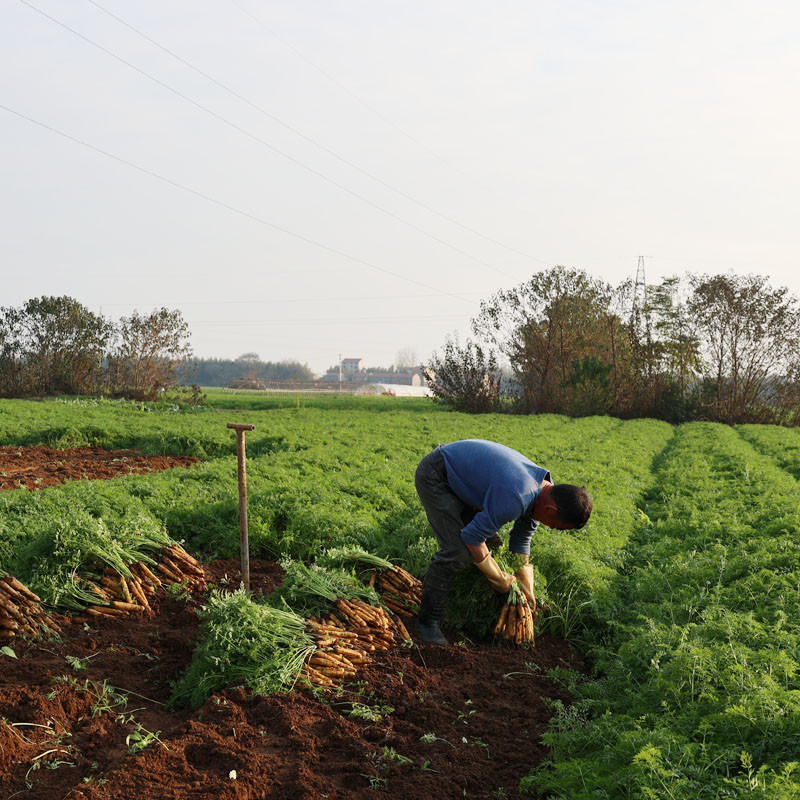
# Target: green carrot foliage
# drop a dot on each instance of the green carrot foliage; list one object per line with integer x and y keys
{"x": 243, "y": 643}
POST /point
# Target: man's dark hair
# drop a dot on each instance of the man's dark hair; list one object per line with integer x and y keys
{"x": 573, "y": 503}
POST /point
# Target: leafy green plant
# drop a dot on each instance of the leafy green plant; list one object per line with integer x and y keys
{"x": 390, "y": 754}
{"x": 431, "y": 738}
{"x": 74, "y": 546}
{"x": 340, "y": 556}
{"x": 312, "y": 590}
{"x": 246, "y": 643}
{"x": 105, "y": 697}
{"x": 179, "y": 591}
{"x": 566, "y": 614}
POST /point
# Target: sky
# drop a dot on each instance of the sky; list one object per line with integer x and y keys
{"x": 309, "y": 180}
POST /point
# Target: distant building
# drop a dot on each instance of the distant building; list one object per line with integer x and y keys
{"x": 408, "y": 378}
{"x": 353, "y": 364}
{"x": 355, "y": 370}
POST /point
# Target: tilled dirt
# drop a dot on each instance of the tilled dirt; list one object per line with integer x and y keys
{"x": 39, "y": 466}
{"x": 447, "y": 722}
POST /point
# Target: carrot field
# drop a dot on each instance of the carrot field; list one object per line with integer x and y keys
{"x": 667, "y": 648}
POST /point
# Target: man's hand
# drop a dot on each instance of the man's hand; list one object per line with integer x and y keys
{"x": 524, "y": 576}
{"x": 499, "y": 581}
{"x": 523, "y": 572}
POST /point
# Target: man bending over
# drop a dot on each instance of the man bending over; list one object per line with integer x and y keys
{"x": 469, "y": 490}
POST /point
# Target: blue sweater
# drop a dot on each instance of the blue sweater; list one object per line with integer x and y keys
{"x": 501, "y": 483}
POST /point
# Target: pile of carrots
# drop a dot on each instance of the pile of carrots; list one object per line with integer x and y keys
{"x": 177, "y": 566}
{"x": 21, "y": 611}
{"x": 517, "y": 619}
{"x": 399, "y": 590}
{"x": 345, "y": 639}
{"x": 131, "y": 595}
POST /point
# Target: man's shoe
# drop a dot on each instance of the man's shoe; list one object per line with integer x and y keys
{"x": 431, "y": 607}
{"x": 430, "y": 633}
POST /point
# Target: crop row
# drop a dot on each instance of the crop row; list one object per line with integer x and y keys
{"x": 781, "y": 444}
{"x": 699, "y": 688}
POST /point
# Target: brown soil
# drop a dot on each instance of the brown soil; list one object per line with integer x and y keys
{"x": 63, "y": 730}
{"x": 35, "y": 467}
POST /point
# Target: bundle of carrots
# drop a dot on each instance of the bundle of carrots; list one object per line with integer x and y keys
{"x": 377, "y": 629}
{"x": 346, "y": 638}
{"x": 177, "y": 566}
{"x": 337, "y": 656}
{"x": 21, "y": 611}
{"x": 517, "y": 618}
{"x": 123, "y": 595}
{"x": 130, "y": 595}
{"x": 400, "y": 591}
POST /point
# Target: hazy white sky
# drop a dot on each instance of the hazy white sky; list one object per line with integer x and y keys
{"x": 356, "y": 176}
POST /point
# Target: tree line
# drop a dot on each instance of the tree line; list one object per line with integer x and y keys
{"x": 55, "y": 345}
{"x": 724, "y": 348}
{"x": 221, "y": 371}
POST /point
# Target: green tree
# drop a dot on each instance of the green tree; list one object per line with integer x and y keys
{"x": 547, "y": 328}
{"x": 220, "y": 372}
{"x": 150, "y": 354}
{"x": 12, "y": 373}
{"x": 465, "y": 378}
{"x": 751, "y": 342}
{"x": 676, "y": 331}
{"x": 55, "y": 345}
{"x": 664, "y": 361}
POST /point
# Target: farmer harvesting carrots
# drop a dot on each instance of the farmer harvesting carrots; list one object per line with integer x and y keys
{"x": 469, "y": 490}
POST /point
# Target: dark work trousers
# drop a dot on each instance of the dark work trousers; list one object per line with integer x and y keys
{"x": 447, "y": 515}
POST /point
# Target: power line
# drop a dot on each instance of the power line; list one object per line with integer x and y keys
{"x": 265, "y": 143}
{"x": 229, "y": 207}
{"x": 328, "y": 299}
{"x": 311, "y": 140}
{"x": 396, "y": 127}
{"x": 338, "y": 83}
{"x": 324, "y": 321}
